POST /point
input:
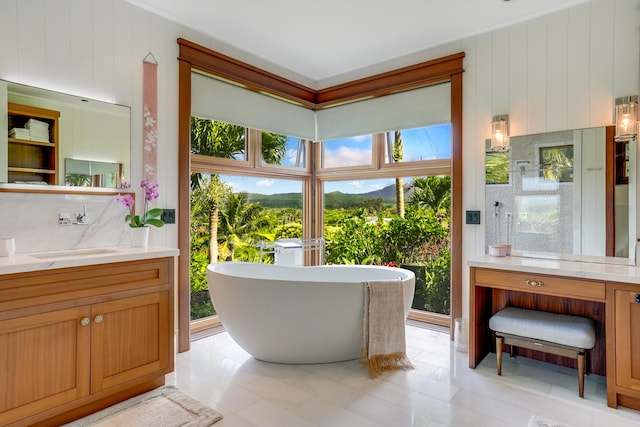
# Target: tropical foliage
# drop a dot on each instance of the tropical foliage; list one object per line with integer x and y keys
{"x": 497, "y": 168}
{"x": 369, "y": 234}
{"x": 419, "y": 241}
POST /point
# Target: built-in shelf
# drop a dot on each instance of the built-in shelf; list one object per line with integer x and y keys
{"x": 31, "y": 170}
{"x": 32, "y": 161}
{"x": 25, "y": 142}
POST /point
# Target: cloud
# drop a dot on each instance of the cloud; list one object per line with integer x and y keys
{"x": 290, "y": 157}
{"x": 236, "y": 187}
{"x": 265, "y": 183}
{"x": 346, "y": 156}
{"x": 356, "y": 184}
{"x": 378, "y": 186}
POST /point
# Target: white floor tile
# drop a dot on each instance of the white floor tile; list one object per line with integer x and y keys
{"x": 441, "y": 391}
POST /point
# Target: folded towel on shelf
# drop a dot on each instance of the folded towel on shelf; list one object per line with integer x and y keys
{"x": 33, "y": 123}
{"x": 20, "y": 133}
{"x": 39, "y": 137}
{"x": 383, "y": 341}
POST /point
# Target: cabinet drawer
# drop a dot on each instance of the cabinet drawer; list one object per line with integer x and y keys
{"x": 541, "y": 284}
{"x": 94, "y": 282}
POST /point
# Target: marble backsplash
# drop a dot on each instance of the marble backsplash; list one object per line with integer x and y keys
{"x": 32, "y": 219}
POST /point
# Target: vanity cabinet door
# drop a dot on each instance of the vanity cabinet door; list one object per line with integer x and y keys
{"x": 44, "y": 361}
{"x": 627, "y": 334}
{"x": 130, "y": 339}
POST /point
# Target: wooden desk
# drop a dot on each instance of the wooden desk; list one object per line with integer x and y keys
{"x": 607, "y": 294}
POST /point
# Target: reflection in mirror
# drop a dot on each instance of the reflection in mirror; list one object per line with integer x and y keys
{"x": 548, "y": 193}
{"x": 81, "y": 128}
{"x": 87, "y": 173}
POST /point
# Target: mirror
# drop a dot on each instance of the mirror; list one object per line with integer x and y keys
{"x": 547, "y": 196}
{"x": 77, "y": 136}
{"x": 86, "y": 173}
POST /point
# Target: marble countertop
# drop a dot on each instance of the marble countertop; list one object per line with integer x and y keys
{"x": 20, "y": 263}
{"x": 581, "y": 269}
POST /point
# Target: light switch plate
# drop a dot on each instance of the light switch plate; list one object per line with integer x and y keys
{"x": 168, "y": 216}
{"x": 473, "y": 217}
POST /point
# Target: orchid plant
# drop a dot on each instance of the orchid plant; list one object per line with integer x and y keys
{"x": 149, "y": 216}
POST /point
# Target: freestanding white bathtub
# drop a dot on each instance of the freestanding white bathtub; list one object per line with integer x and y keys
{"x": 297, "y": 314}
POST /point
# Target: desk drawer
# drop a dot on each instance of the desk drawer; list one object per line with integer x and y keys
{"x": 541, "y": 284}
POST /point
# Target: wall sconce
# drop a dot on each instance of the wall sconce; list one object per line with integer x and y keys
{"x": 626, "y": 118}
{"x": 500, "y": 133}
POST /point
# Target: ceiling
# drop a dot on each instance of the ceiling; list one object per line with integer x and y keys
{"x": 320, "y": 40}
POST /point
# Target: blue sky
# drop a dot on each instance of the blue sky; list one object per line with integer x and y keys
{"x": 432, "y": 142}
{"x": 426, "y": 143}
{"x": 277, "y": 186}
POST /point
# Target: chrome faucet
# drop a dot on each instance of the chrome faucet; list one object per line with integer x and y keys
{"x": 82, "y": 218}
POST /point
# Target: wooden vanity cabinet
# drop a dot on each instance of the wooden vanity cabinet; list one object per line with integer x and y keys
{"x": 623, "y": 328}
{"x": 494, "y": 289}
{"x": 614, "y": 306}
{"x": 75, "y": 340}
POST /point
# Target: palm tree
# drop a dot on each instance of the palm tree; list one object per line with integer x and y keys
{"x": 433, "y": 192}
{"x": 557, "y": 163}
{"x": 274, "y": 146}
{"x": 496, "y": 168}
{"x": 397, "y": 156}
{"x": 225, "y": 140}
{"x": 205, "y": 202}
{"x": 217, "y": 139}
{"x": 240, "y": 221}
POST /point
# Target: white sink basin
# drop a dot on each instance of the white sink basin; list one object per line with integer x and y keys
{"x": 73, "y": 253}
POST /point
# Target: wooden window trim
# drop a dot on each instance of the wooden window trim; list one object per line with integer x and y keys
{"x": 195, "y": 57}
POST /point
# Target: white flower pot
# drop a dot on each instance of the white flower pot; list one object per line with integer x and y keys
{"x": 139, "y": 237}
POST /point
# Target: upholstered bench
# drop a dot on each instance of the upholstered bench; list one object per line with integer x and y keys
{"x": 559, "y": 334}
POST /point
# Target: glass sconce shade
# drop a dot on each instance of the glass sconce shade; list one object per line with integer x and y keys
{"x": 626, "y": 118}
{"x": 500, "y": 133}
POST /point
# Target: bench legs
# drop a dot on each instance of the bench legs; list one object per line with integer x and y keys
{"x": 581, "y": 363}
{"x": 499, "y": 343}
{"x": 513, "y": 341}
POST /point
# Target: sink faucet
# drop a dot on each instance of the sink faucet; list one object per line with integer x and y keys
{"x": 82, "y": 218}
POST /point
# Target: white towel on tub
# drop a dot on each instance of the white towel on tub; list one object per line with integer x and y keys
{"x": 383, "y": 340}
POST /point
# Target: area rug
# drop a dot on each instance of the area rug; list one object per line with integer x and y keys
{"x": 537, "y": 421}
{"x": 165, "y": 406}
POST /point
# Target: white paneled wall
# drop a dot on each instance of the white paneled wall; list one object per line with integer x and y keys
{"x": 560, "y": 71}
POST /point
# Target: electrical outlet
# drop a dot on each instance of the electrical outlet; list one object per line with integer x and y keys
{"x": 168, "y": 216}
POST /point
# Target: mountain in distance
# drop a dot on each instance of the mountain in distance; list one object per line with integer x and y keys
{"x": 333, "y": 200}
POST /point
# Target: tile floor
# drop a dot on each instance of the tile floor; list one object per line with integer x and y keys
{"x": 441, "y": 391}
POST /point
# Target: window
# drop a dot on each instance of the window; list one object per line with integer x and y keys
{"x": 413, "y": 145}
{"x": 283, "y": 150}
{"x": 230, "y": 216}
{"x": 363, "y": 225}
{"x": 218, "y": 139}
{"x": 447, "y": 71}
